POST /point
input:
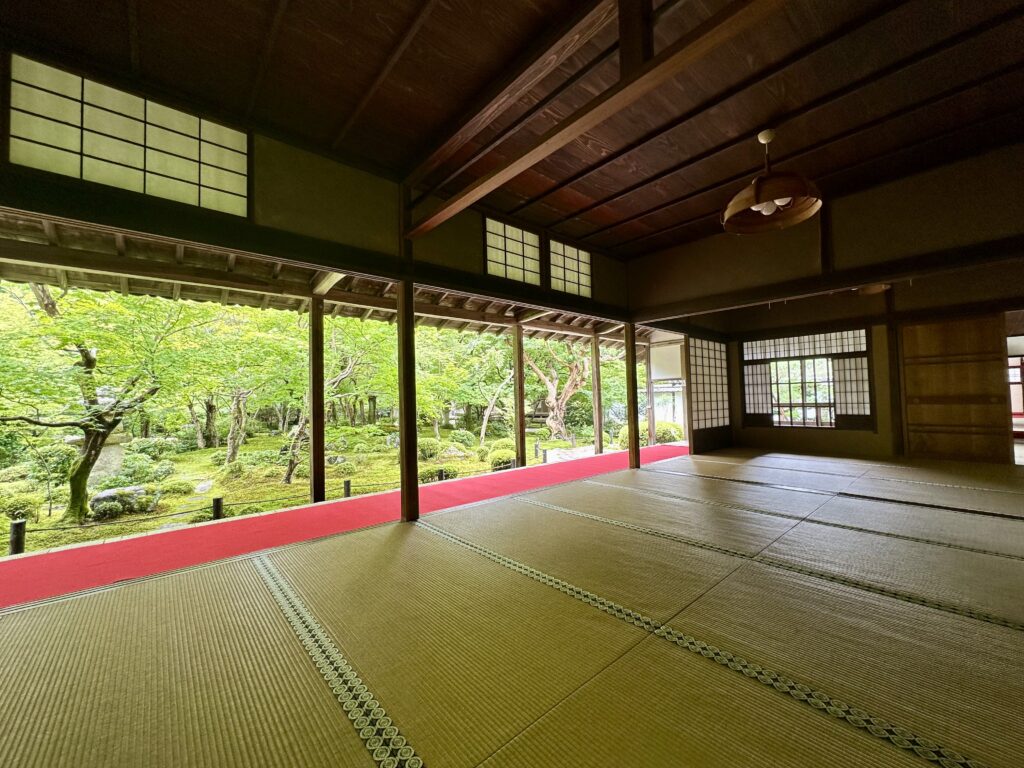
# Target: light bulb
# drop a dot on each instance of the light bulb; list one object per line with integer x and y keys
{"x": 768, "y": 208}
{"x": 782, "y": 202}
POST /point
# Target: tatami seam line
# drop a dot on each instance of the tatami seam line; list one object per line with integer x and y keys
{"x": 785, "y": 565}
{"x": 804, "y": 519}
{"x": 385, "y": 743}
{"x": 838, "y": 709}
{"x": 837, "y": 494}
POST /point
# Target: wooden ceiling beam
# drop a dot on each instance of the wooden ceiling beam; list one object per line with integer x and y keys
{"x": 263, "y": 62}
{"x": 712, "y": 33}
{"x": 534, "y": 65}
{"x": 636, "y": 35}
{"x": 396, "y": 54}
{"x": 755, "y": 79}
{"x": 323, "y": 282}
{"x": 801, "y": 153}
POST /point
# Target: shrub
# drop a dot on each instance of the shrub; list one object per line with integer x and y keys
{"x": 263, "y": 458}
{"x": 302, "y": 471}
{"x": 501, "y": 459}
{"x": 463, "y": 437}
{"x": 162, "y": 471}
{"x": 11, "y": 448}
{"x": 542, "y": 433}
{"x": 482, "y": 452}
{"x": 21, "y": 506}
{"x": 54, "y": 461}
{"x": 343, "y": 470}
{"x": 623, "y": 439}
{"x": 176, "y": 488}
{"x": 428, "y": 474}
{"x": 428, "y": 448}
{"x": 497, "y": 428}
{"x": 233, "y": 470}
{"x": 668, "y": 432}
{"x": 154, "y": 447}
{"x": 218, "y": 457}
{"x": 505, "y": 444}
{"x": 453, "y": 451}
{"x": 361, "y": 448}
{"x": 15, "y": 472}
{"x": 447, "y": 472}
{"x": 122, "y": 501}
{"x": 186, "y": 440}
{"x": 106, "y": 510}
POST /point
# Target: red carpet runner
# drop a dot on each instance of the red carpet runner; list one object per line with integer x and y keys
{"x": 48, "y": 574}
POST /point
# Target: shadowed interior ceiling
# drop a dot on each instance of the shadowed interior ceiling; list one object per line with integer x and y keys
{"x": 442, "y": 93}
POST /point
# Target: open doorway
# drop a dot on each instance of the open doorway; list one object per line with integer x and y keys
{"x": 1015, "y": 377}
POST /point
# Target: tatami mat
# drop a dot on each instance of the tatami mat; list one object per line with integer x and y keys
{"x": 196, "y": 669}
{"x": 953, "y": 679}
{"x": 790, "y": 478}
{"x": 463, "y": 653}
{"x": 661, "y": 706}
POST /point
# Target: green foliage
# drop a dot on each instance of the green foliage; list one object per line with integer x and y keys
{"x": 623, "y": 439}
{"x": 119, "y": 503}
{"x": 428, "y": 474}
{"x": 344, "y": 470}
{"x": 302, "y": 471}
{"x": 428, "y": 448}
{"x": 579, "y": 413}
{"x": 501, "y": 459}
{"x": 176, "y": 488}
{"x": 154, "y": 447}
{"x": 218, "y": 457}
{"x": 233, "y": 471}
{"x": 15, "y": 472}
{"x": 482, "y": 452}
{"x": 668, "y": 432}
{"x": 447, "y": 472}
{"x": 11, "y": 448}
{"x": 505, "y": 444}
{"x": 262, "y": 458}
{"x": 463, "y": 437}
{"x": 542, "y": 433}
{"x": 21, "y": 506}
{"x": 53, "y": 461}
{"x": 498, "y": 428}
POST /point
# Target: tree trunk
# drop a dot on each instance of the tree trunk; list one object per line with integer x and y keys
{"x": 492, "y": 403}
{"x": 144, "y": 423}
{"x": 239, "y": 416}
{"x": 212, "y": 438}
{"x": 437, "y": 428}
{"x": 295, "y": 447}
{"x": 362, "y": 411}
{"x": 89, "y": 454}
{"x": 197, "y": 425}
{"x": 556, "y": 419}
{"x": 373, "y": 408}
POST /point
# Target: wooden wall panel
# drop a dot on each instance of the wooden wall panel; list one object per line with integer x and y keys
{"x": 955, "y": 392}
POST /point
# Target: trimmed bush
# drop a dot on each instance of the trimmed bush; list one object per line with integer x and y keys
{"x": 428, "y": 448}
{"x": 623, "y": 439}
{"x": 21, "y": 506}
{"x": 362, "y": 448}
{"x": 15, "y": 472}
{"x": 542, "y": 433}
{"x": 302, "y": 471}
{"x": 428, "y": 474}
{"x": 454, "y": 451}
{"x": 497, "y": 428}
{"x": 262, "y": 458}
{"x": 505, "y": 444}
{"x": 233, "y": 470}
{"x": 343, "y": 470}
{"x": 116, "y": 502}
{"x": 668, "y": 432}
{"x": 482, "y": 453}
{"x": 501, "y": 459}
{"x": 447, "y": 472}
{"x": 463, "y": 437}
{"x": 176, "y": 488}
{"x": 154, "y": 447}
{"x": 218, "y": 457}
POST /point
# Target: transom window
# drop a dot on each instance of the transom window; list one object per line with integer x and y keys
{"x": 570, "y": 269}
{"x": 513, "y": 253}
{"x": 819, "y": 380}
{"x": 74, "y": 126}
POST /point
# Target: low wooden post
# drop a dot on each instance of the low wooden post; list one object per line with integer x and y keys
{"x": 17, "y": 544}
{"x": 536, "y": 449}
{"x": 218, "y": 508}
{"x": 348, "y": 488}
{"x": 545, "y": 455}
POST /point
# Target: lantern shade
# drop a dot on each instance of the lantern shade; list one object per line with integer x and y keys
{"x": 741, "y": 220}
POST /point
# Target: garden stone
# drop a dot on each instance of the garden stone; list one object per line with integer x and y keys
{"x": 204, "y": 486}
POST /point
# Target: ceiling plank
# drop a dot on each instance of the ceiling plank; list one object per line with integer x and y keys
{"x": 721, "y": 27}
{"x": 396, "y": 54}
{"x": 263, "y": 63}
{"x": 523, "y": 75}
{"x": 133, "y": 37}
{"x": 636, "y": 35}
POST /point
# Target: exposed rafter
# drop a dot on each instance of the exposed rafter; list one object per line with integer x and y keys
{"x": 723, "y": 26}
{"x": 324, "y": 281}
{"x": 263, "y": 63}
{"x": 396, "y": 54}
{"x": 523, "y": 75}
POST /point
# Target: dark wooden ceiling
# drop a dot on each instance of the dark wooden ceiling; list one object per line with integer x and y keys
{"x": 859, "y": 91}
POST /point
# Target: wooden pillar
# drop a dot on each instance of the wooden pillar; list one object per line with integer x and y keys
{"x": 650, "y": 399}
{"x": 519, "y": 374}
{"x": 632, "y": 401}
{"x": 317, "y": 458}
{"x": 595, "y": 385}
{"x": 407, "y": 401}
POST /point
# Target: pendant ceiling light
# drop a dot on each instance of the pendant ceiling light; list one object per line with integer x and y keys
{"x": 773, "y": 200}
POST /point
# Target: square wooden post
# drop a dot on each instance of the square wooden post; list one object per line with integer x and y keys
{"x": 407, "y": 401}
{"x": 632, "y": 401}
{"x": 519, "y": 374}
{"x": 651, "y": 429}
{"x": 317, "y": 452}
{"x": 595, "y": 385}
